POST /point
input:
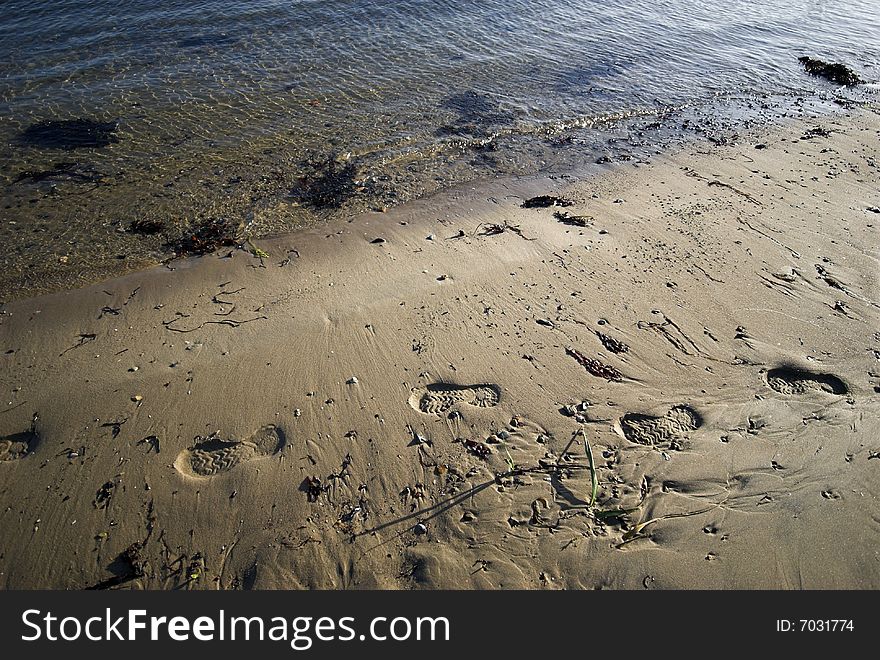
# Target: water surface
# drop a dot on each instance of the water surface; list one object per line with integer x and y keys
{"x": 130, "y": 127}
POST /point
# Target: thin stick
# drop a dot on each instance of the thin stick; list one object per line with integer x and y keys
{"x": 593, "y": 476}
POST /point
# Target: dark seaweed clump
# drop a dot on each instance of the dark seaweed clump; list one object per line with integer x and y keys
{"x": 573, "y": 220}
{"x": 835, "y": 72}
{"x": 545, "y": 201}
{"x": 69, "y": 134}
{"x": 329, "y": 183}
{"x": 205, "y": 237}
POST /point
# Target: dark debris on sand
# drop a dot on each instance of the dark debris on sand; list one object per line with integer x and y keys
{"x": 573, "y": 220}
{"x": 818, "y": 131}
{"x": 594, "y": 366}
{"x": 69, "y": 134}
{"x": 545, "y": 202}
{"x": 129, "y": 565}
{"x": 612, "y": 344}
{"x": 835, "y": 72}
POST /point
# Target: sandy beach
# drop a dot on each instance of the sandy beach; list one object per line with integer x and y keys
{"x": 411, "y": 399}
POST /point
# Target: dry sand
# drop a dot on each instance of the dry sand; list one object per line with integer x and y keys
{"x": 320, "y": 417}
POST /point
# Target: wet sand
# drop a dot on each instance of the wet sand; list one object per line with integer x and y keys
{"x": 401, "y": 400}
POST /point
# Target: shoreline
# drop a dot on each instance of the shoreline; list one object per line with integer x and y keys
{"x": 115, "y": 227}
{"x": 337, "y": 414}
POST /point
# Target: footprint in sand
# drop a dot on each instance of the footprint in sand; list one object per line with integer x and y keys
{"x": 793, "y": 381}
{"x": 18, "y": 445}
{"x": 667, "y": 430}
{"x": 437, "y": 398}
{"x": 212, "y": 455}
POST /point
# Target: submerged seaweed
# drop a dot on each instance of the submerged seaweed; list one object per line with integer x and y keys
{"x": 474, "y": 106}
{"x": 59, "y": 172}
{"x": 205, "y": 237}
{"x": 146, "y": 226}
{"x": 210, "y": 40}
{"x": 70, "y": 134}
{"x": 477, "y": 114}
{"x": 329, "y": 184}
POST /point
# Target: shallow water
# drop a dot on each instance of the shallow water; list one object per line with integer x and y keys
{"x": 263, "y": 115}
